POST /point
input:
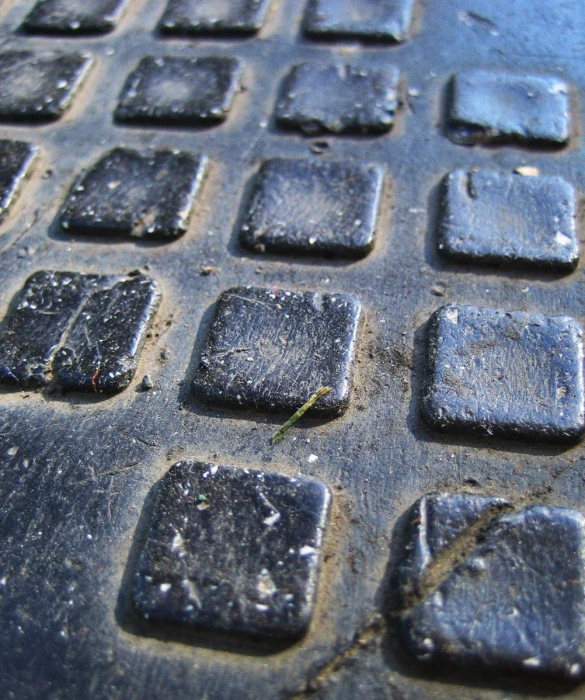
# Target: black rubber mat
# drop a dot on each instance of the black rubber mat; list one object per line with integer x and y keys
{"x": 215, "y": 212}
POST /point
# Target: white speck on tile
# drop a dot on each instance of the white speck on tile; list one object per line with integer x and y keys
{"x": 265, "y": 585}
{"x": 452, "y": 315}
{"x": 272, "y": 519}
{"x": 561, "y": 239}
{"x": 527, "y": 171}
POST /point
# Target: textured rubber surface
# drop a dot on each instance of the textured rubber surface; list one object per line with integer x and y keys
{"x": 134, "y": 142}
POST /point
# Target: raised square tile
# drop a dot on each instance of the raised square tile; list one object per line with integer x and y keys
{"x": 147, "y": 195}
{"x": 492, "y": 107}
{"x": 271, "y": 349}
{"x": 194, "y": 17}
{"x": 87, "y": 330}
{"x": 506, "y": 373}
{"x": 34, "y": 327}
{"x": 187, "y": 91}
{"x": 74, "y": 16}
{"x": 503, "y": 219}
{"x": 39, "y": 86}
{"x": 232, "y": 550}
{"x": 101, "y": 348}
{"x": 509, "y": 592}
{"x": 16, "y": 159}
{"x": 338, "y": 98}
{"x": 313, "y": 208}
{"x": 385, "y": 20}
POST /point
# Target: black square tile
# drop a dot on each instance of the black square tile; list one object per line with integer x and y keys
{"x": 272, "y": 349}
{"x": 506, "y": 373}
{"x": 509, "y": 593}
{"x": 101, "y": 348}
{"x": 74, "y": 16}
{"x": 232, "y": 550}
{"x": 313, "y": 208}
{"x": 338, "y": 98}
{"x": 39, "y": 87}
{"x": 35, "y": 324}
{"x": 195, "y": 17}
{"x": 368, "y": 19}
{"x": 497, "y": 107}
{"x": 146, "y": 195}
{"x": 86, "y": 330}
{"x": 16, "y": 160}
{"x": 187, "y": 91}
{"x": 507, "y": 219}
